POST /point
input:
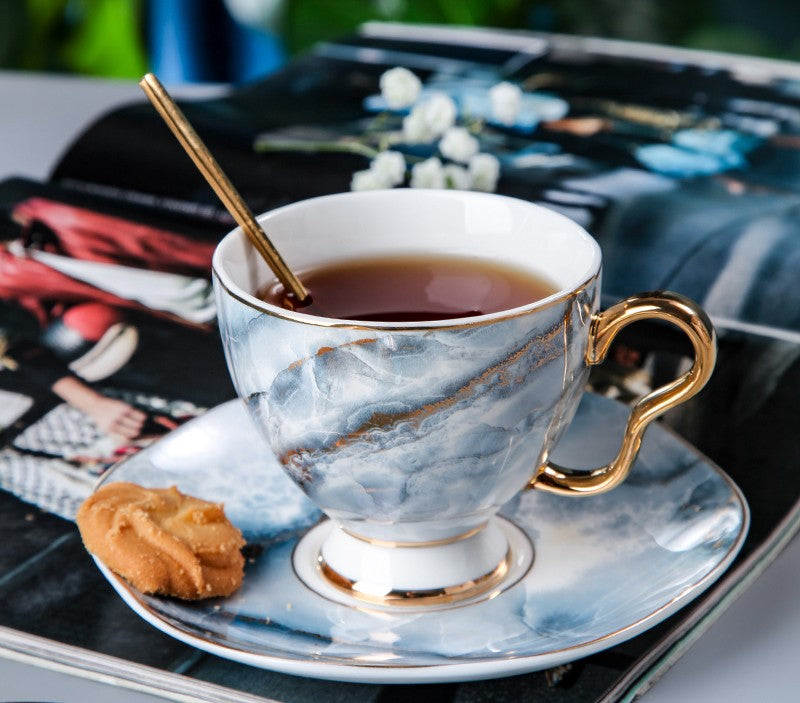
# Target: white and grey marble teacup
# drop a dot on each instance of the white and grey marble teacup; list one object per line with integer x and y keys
{"x": 411, "y": 435}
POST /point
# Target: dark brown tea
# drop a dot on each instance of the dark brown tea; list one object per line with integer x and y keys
{"x": 413, "y": 289}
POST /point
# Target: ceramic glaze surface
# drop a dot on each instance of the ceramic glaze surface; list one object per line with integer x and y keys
{"x": 405, "y": 426}
{"x": 605, "y": 568}
{"x": 411, "y": 431}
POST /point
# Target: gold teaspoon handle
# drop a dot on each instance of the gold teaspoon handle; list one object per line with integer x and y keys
{"x": 222, "y": 186}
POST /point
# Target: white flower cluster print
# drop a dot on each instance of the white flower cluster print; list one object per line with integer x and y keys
{"x": 506, "y": 99}
{"x": 400, "y": 88}
{"x": 432, "y": 120}
{"x": 454, "y": 132}
{"x": 386, "y": 170}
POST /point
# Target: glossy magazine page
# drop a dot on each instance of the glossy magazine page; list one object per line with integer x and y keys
{"x": 683, "y": 166}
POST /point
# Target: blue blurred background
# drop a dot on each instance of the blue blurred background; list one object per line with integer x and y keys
{"x": 236, "y": 40}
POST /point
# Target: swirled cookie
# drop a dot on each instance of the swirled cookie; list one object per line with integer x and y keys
{"x": 163, "y": 541}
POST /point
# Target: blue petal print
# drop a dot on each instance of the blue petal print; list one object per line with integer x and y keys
{"x": 534, "y": 108}
{"x": 376, "y": 103}
{"x": 680, "y": 163}
{"x": 699, "y": 152}
{"x": 535, "y": 154}
{"x": 473, "y": 102}
{"x": 728, "y": 144}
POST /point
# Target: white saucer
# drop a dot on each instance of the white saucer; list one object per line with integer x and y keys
{"x": 606, "y": 568}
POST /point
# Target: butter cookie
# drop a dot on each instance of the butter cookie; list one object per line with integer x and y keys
{"x": 163, "y": 541}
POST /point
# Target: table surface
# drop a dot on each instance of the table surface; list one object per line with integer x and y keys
{"x": 748, "y": 654}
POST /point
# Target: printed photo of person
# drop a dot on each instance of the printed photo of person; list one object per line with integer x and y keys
{"x": 97, "y": 314}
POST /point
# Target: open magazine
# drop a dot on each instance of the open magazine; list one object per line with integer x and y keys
{"x": 683, "y": 166}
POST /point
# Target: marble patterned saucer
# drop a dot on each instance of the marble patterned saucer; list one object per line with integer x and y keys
{"x": 605, "y": 569}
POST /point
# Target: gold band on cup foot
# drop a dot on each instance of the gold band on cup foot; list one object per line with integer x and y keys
{"x": 434, "y": 596}
{"x": 395, "y": 544}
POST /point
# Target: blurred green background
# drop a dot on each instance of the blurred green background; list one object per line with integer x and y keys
{"x": 235, "y": 40}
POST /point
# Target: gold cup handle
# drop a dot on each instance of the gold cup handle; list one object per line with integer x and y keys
{"x": 604, "y": 327}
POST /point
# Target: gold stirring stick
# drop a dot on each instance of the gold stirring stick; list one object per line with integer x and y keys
{"x": 224, "y": 189}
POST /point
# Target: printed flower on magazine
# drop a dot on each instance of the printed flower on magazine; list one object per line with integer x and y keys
{"x": 484, "y": 170}
{"x": 428, "y": 174}
{"x": 503, "y": 105}
{"x": 431, "y": 136}
{"x": 400, "y": 88}
{"x": 440, "y": 138}
{"x": 506, "y": 99}
{"x": 699, "y": 152}
{"x": 386, "y": 170}
{"x": 429, "y": 119}
{"x": 458, "y": 145}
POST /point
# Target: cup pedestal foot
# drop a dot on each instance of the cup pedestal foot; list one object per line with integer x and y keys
{"x": 422, "y": 574}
